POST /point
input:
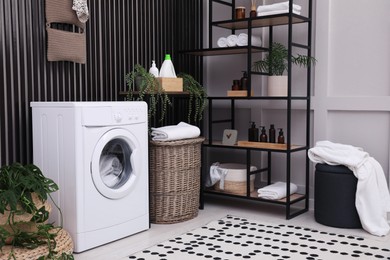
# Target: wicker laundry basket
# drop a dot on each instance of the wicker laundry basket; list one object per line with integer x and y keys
{"x": 64, "y": 244}
{"x": 174, "y": 180}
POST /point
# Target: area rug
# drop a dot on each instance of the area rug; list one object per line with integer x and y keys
{"x": 234, "y": 238}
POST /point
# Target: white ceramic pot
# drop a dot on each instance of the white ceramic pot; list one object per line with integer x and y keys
{"x": 277, "y": 86}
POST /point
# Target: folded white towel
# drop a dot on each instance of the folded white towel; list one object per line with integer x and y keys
{"x": 232, "y": 40}
{"x": 222, "y": 42}
{"x": 110, "y": 169}
{"x": 277, "y": 12}
{"x": 243, "y": 40}
{"x": 216, "y": 174}
{"x": 276, "y": 191}
{"x": 277, "y": 6}
{"x": 175, "y": 132}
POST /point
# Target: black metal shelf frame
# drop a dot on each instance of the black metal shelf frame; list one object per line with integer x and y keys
{"x": 288, "y": 19}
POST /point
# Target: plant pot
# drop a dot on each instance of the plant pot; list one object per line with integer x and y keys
{"x": 277, "y": 86}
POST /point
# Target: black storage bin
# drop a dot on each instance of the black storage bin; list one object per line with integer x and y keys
{"x": 334, "y": 196}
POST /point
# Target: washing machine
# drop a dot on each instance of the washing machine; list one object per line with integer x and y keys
{"x": 97, "y": 153}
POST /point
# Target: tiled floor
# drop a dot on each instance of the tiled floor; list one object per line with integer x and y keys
{"x": 215, "y": 208}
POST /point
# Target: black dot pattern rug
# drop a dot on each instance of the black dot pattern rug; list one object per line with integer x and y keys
{"x": 238, "y": 238}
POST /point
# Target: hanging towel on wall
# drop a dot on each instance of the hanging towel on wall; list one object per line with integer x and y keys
{"x": 372, "y": 194}
{"x": 276, "y": 191}
{"x": 81, "y": 9}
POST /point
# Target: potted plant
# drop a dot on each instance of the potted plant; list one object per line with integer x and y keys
{"x": 24, "y": 212}
{"x": 275, "y": 63}
{"x": 144, "y": 86}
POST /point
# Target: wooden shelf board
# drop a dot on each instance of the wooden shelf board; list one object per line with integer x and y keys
{"x": 257, "y": 145}
{"x": 254, "y": 195}
{"x": 224, "y": 51}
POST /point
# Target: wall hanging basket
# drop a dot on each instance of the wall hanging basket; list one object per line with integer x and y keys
{"x": 174, "y": 180}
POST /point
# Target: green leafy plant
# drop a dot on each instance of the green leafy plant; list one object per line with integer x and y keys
{"x": 276, "y": 60}
{"x": 144, "y": 86}
{"x": 21, "y": 189}
{"x": 141, "y": 84}
{"x": 198, "y": 97}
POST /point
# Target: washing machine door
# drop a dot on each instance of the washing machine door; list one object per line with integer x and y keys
{"x": 115, "y": 164}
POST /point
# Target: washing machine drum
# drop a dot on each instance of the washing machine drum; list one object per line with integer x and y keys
{"x": 114, "y": 164}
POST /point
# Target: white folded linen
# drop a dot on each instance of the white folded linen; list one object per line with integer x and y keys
{"x": 243, "y": 40}
{"x": 216, "y": 174}
{"x": 372, "y": 194}
{"x": 277, "y": 12}
{"x": 175, "y": 132}
{"x": 110, "y": 169}
{"x": 222, "y": 42}
{"x": 232, "y": 40}
{"x": 277, "y": 6}
{"x": 276, "y": 191}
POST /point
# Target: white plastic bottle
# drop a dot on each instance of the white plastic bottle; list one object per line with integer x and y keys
{"x": 167, "y": 70}
{"x": 153, "y": 70}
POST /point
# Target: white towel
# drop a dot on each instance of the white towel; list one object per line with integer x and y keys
{"x": 232, "y": 40}
{"x": 372, "y": 194}
{"x": 81, "y": 9}
{"x": 243, "y": 40}
{"x": 110, "y": 169}
{"x": 276, "y": 191}
{"x": 222, "y": 42}
{"x": 175, "y": 132}
{"x": 216, "y": 174}
{"x": 277, "y": 12}
{"x": 277, "y": 6}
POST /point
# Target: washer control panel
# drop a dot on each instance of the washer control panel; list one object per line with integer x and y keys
{"x": 124, "y": 113}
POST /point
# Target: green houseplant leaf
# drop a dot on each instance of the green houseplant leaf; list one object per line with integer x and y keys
{"x": 276, "y": 61}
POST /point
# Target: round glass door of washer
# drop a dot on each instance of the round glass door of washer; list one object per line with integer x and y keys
{"x": 114, "y": 165}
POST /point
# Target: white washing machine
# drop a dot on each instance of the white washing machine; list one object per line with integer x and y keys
{"x": 97, "y": 153}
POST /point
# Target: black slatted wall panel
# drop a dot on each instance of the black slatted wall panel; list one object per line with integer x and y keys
{"x": 120, "y": 33}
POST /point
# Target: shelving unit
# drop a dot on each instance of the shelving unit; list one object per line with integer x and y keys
{"x": 270, "y": 21}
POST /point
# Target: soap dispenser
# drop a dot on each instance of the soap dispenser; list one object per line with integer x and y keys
{"x": 272, "y": 134}
{"x": 244, "y": 81}
{"x": 253, "y": 133}
{"x": 263, "y": 136}
{"x": 154, "y": 70}
{"x": 281, "y": 136}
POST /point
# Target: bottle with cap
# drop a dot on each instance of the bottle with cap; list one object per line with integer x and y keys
{"x": 167, "y": 69}
{"x": 253, "y": 133}
{"x": 281, "y": 136}
{"x": 244, "y": 81}
{"x": 263, "y": 136}
{"x": 272, "y": 134}
{"x": 154, "y": 70}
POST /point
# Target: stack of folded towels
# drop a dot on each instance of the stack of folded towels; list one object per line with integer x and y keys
{"x": 175, "y": 132}
{"x": 238, "y": 40}
{"x": 277, "y": 8}
{"x": 276, "y": 191}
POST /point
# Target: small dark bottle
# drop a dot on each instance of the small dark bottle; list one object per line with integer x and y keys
{"x": 244, "y": 81}
{"x": 263, "y": 136}
{"x": 272, "y": 134}
{"x": 253, "y": 133}
{"x": 281, "y": 136}
{"x": 236, "y": 85}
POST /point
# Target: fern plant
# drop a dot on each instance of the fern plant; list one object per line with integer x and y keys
{"x": 19, "y": 185}
{"x": 276, "y": 61}
{"x": 142, "y": 84}
{"x": 198, "y": 97}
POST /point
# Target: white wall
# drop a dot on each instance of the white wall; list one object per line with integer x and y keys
{"x": 351, "y": 90}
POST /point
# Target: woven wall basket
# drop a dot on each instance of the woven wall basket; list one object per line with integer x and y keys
{"x": 174, "y": 180}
